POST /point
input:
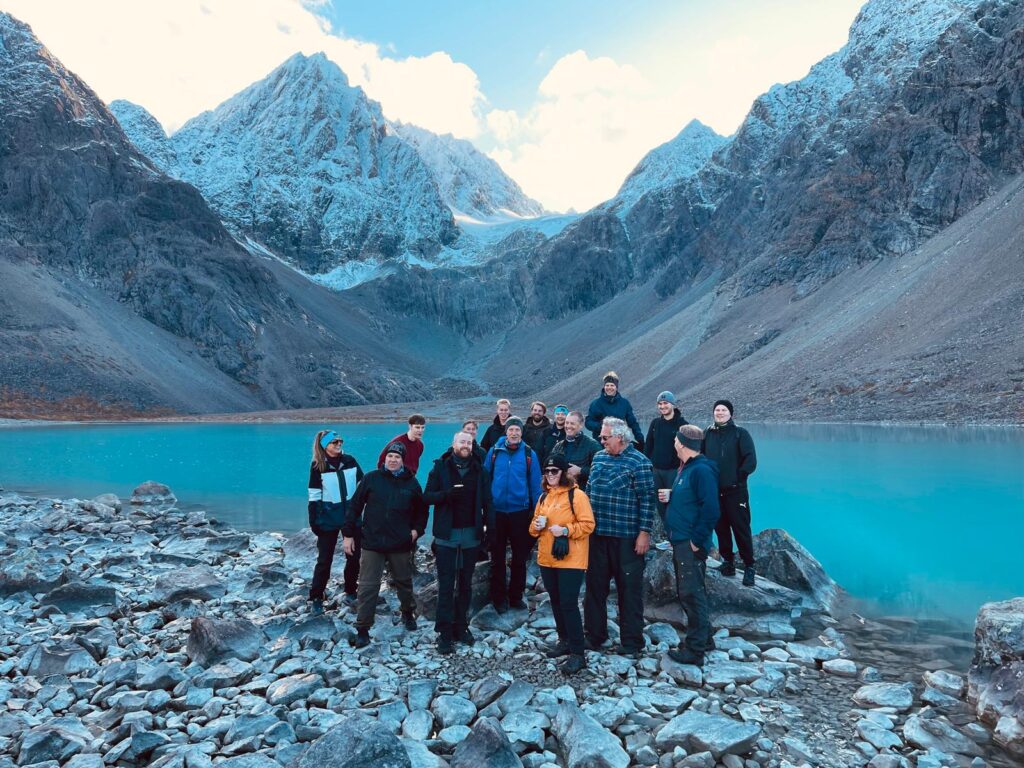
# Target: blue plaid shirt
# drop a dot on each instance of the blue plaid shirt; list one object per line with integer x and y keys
{"x": 622, "y": 493}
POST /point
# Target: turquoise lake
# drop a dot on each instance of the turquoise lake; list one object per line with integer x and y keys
{"x": 917, "y": 520}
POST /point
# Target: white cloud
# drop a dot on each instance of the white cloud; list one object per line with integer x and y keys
{"x": 592, "y": 122}
{"x": 178, "y": 58}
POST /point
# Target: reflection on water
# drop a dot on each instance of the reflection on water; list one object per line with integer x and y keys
{"x": 922, "y": 520}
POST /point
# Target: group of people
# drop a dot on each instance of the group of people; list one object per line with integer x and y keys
{"x": 587, "y": 502}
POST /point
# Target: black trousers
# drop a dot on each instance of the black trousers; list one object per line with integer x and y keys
{"x": 691, "y": 568}
{"x": 611, "y": 558}
{"x": 510, "y": 528}
{"x": 734, "y": 520}
{"x": 352, "y": 566}
{"x": 455, "y": 566}
{"x": 326, "y": 544}
{"x": 563, "y": 586}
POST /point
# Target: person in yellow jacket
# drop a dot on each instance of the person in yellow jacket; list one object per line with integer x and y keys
{"x": 562, "y": 524}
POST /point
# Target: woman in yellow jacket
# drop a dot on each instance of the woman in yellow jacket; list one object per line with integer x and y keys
{"x": 562, "y": 524}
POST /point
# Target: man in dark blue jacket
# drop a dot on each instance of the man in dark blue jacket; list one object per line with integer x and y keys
{"x": 515, "y": 488}
{"x": 611, "y": 403}
{"x": 690, "y": 520}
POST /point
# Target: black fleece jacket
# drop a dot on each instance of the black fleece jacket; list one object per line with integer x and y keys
{"x": 386, "y": 509}
{"x": 732, "y": 449}
{"x": 660, "y": 445}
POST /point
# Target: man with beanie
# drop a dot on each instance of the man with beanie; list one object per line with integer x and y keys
{"x": 732, "y": 449}
{"x": 460, "y": 489}
{"x": 690, "y": 520}
{"x": 660, "y": 449}
{"x": 556, "y": 431}
{"x": 611, "y": 403}
{"x": 389, "y": 511}
{"x": 515, "y": 487}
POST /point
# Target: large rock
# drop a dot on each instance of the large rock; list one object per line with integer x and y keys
{"x": 357, "y": 742}
{"x": 717, "y": 734}
{"x": 584, "y": 742}
{"x": 211, "y": 641}
{"x": 486, "y": 746}
{"x": 899, "y": 696}
{"x": 995, "y": 685}
{"x": 291, "y": 689}
{"x": 300, "y": 551}
{"x": 25, "y": 570}
{"x": 197, "y": 583}
{"x": 938, "y": 733}
{"x": 782, "y": 559}
{"x": 63, "y": 658}
{"x": 151, "y": 492}
{"x": 226, "y": 674}
{"x": 79, "y": 597}
{"x": 58, "y": 739}
{"x": 453, "y": 710}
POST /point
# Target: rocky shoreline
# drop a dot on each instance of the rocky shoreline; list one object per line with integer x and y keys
{"x": 138, "y": 634}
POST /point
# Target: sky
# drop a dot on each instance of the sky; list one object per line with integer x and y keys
{"x": 566, "y": 95}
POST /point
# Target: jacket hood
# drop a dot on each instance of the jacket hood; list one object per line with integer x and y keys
{"x": 729, "y": 423}
{"x": 611, "y": 399}
{"x": 700, "y": 458}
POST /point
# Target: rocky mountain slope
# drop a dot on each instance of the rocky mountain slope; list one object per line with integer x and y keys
{"x": 472, "y": 184}
{"x": 125, "y": 287}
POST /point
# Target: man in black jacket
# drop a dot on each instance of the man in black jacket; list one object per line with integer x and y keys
{"x": 732, "y": 449}
{"x": 536, "y": 427}
{"x": 555, "y": 432}
{"x": 496, "y": 430}
{"x": 660, "y": 449}
{"x": 611, "y": 403}
{"x": 460, "y": 489}
{"x": 577, "y": 448}
{"x": 389, "y": 511}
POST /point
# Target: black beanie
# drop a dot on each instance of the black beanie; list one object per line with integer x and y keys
{"x": 693, "y": 443}
{"x": 395, "y": 448}
{"x": 611, "y": 378}
{"x": 727, "y": 404}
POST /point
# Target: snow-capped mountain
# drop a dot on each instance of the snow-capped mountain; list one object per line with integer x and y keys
{"x": 473, "y": 185}
{"x": 306, "y": 165}
{"x": 673, "y": 161}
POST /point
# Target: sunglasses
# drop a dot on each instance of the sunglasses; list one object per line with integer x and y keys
{"x": 339, "y": 441}
{"x": 552, "y": 471}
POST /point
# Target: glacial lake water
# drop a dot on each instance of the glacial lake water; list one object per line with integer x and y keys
{"x": 923, "y": 521}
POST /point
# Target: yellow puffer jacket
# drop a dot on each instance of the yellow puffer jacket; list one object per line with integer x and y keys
{"x": 556, "y": 508}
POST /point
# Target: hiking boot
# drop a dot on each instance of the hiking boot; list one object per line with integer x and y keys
{"x": 360, "y": 638}
{"x": 445, "y": 646}
{"x": 748, "y": 576}
{"x": 316, "y": 607}
{"x": 350, "y": 599}
{"x": 628, "y": 650}
{"x": 727, "y": 568}
{"x": 592, "y": 645}
{"x": 517, "y": 605}
{"x": 686, "y": 656}
{"x": 575, "y": 663}
{"x": 465, "y": 637}
{"x": 559, "y": 649}
{"x": 409, "y": 621}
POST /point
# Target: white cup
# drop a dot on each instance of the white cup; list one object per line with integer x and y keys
{"x": 663, "y": 495}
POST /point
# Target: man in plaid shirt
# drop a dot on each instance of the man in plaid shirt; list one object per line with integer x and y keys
{"x": 622, "y": 494}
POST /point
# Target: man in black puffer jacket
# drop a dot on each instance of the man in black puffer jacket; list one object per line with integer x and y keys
{"x": 611, "y": 403}
{"x": 460, "y": 489}
{"x": 732, "y": 449}
{"x": 389, "y": 511}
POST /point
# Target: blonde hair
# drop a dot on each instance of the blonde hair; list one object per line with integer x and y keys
{"x": 319, "y": 454}
{"x": 504, "y": 401}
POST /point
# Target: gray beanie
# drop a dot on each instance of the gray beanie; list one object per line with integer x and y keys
{"x": 667, "y": 396}
{"x": 513, "y": 421}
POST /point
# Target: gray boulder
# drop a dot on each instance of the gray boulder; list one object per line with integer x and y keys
{"x": 782, "y": 559}
{"x": 163, "y": 676}
{"x": 357, "y": 742}
{"x": 255, "y": 760}
{"x": 111, "y": 500}
{"x": 197, "y": 583}
{"x": 487, "y": 690}
{"x": 291, "y": 689}
{"x": 453, "y": 710}
{"x": 584, "y": 742}
{"x": 151, "y": 492}
{"x": 999, "y": 633}
{"x": 25, "y": 570}
{"x": 422, "y": 757}
{"x": 213, "y": 640}
{"x": 899, "y": 696}
{"x": 995, "y": 684}
{"x": 63, "y": 658}
{"x": 489, "y": 620}
{"x": 300, "y": 551}
{"x": 717, "y": 734}
{"x": 939, "y": 734}
{"x": 486, "y": 746}
{"x": 79, "y": 597}
{"x": 58, "y": 739}
{"x": 227, "y": 674}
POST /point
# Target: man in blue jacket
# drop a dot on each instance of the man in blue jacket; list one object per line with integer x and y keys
{"x": 611, "y": 403}
{"x": 515, "y": 487}
{"x": 690, "y": 520}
